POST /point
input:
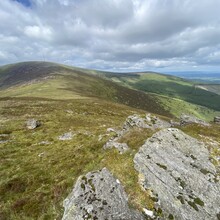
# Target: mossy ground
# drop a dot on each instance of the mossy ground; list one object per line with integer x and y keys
{"x": 38, "y": 170}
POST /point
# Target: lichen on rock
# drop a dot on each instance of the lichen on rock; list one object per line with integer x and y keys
{"x": 172, "y": 164}
{"x": 98, "y": 195}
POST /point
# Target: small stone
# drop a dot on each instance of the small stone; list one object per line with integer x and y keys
{"x": 66, "y": 136}
{"x": 32, "y": 124}
{"x": 121, "y": 147}
{"x": 110, "y": 130}
{"x": 148, "y": 212}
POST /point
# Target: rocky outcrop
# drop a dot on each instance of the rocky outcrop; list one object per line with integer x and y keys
{"x": 176, "y": 169}
{"x": 189, "y": 119}
{"x": 149, "y": 121}
{"x": 98, "y": 195}
{"x": 32, "y": 124}
{"x": 217, "y": 119}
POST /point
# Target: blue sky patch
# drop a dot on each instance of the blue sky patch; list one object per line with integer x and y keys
{"x": 26, "y": 3}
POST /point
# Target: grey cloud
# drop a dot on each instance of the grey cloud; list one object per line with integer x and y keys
{"x": 112, "y": 34}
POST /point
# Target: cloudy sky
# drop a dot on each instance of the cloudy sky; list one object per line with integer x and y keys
{"x": 118, "y": 35}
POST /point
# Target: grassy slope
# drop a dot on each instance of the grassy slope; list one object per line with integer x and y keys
{"x": 176, "y": 94}
{"x": 36, "y": 177}
{"x": 215, "y": 88}
{"x": 60, "y": 82}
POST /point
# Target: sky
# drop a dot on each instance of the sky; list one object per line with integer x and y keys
{"x": 113, "y": 35}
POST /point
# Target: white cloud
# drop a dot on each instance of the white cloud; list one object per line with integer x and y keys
{"x": 38, "y": 32}
{"x": 112, "y": 34}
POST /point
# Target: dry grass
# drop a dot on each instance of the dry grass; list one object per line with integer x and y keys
{"x": 36, "y": 177}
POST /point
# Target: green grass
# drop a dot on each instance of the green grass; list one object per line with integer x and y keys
{"x": 177, "y": 106}
{"x": 54, "y": 81}
{"x": 36, "y": 177}
{"x": 50, "y": 88}
{"x": 215, "y": 88}
{"x": 170, "y": 87}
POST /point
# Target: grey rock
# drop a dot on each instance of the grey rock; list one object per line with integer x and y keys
{"x": 121, "y": 147}
{"x": 98, "y": 195}
{"x": 32, "y": 124}
{"x": 189, "y": 119}
{"x": 109, "y": 130}
{"x": 174, "y": 123}
{"x": 149, "y": 121}
{"x": 66, "y": 136}
{"x": 177, "y": 170}
{"x": 217, "y": 119}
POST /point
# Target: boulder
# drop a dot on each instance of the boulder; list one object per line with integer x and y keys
{"x": 32, "y": 124}
{"x": 217, "y": 119}
{"x": 149, "y": 121}
{"x": 176, "y": 169}
{"x": 189, "y": 119}
{"x": 98, "y": 195}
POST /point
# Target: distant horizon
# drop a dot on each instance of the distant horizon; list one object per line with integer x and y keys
{"x": 188, "y": 74}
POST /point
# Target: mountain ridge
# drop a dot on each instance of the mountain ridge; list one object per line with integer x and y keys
{"x": 163, "y": 94}
{"x": 39, "y": 79}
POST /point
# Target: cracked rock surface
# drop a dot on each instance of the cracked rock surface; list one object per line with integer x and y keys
{"x": 98, "y": 195}
{"x": 176, "y": 169}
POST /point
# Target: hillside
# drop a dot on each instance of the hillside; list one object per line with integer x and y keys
{"x": 170, "y": 86}
{"x": 80, "y": 115}
{"x": 162, "y": 94}
{"x": 215, "y": 88}
{"x": 49, "y": 80}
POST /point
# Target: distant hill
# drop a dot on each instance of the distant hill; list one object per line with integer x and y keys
{"x": 55, "y": 81}
{"x": 157, "y": 93}
{"x": 169, "y": 86}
